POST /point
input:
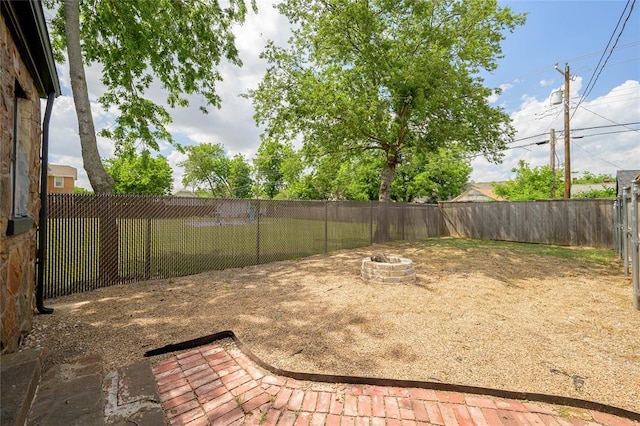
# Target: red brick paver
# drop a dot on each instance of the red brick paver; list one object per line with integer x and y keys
{"x": 220, "y": 385}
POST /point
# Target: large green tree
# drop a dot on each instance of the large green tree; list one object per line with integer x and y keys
{"x": 398, "y": 77}
{"x": 134, "y": 173}
{"x": 177, "y": 44}
{"x": 347, "y": 179}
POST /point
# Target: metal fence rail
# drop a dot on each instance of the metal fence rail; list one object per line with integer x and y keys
{"x": 102, "y": 240}
{"x": 627, "y": 234}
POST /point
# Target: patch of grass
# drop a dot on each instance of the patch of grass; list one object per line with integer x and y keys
{"x": 605, "y": 257}
{"x": 240, "y": 400}
{"x": 165, "y": 247}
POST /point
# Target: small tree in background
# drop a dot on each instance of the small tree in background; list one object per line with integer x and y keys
{"x": 592, "y": 179}
{"x": 208, "y": 167}
{"x": 240, "y": 177}
{"x": 536, "y": 183}
{"x": 134, "y": 173}
{"x": 529, "y": 184}
{"x": 278, "y": 166}
{"x": 80, "y": 190}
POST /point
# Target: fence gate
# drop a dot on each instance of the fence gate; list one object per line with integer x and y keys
{"x": 627, "y": 238}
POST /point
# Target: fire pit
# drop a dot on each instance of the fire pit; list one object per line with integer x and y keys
{"x": 388, "y": 270}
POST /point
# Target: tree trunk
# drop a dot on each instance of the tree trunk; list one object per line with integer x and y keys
{"x": 383, "y": 224}
{"x": 384, "y": 194}
{"x": 101, "y": 182}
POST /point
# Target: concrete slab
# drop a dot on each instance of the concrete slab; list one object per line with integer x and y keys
{"x": 70, "y": 394}
{"x": 19, "y": 376}
{"x": 132, "y": 396}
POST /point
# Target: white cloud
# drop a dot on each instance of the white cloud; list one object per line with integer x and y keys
{"x": 234, "y": 127}
{"x": 605, "y": 153}
{"x": 174, "y": 159}
{"x": 493, "y": 98}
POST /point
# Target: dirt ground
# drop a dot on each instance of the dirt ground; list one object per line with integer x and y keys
{"x": 483, "y": 316}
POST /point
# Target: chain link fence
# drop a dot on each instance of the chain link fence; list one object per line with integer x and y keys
{"x": 102, "y": 240}
{"x": 627, "y": 234}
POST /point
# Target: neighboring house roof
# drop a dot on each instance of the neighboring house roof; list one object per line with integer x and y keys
{"x": 577, "y": 188}
{"x": 25, "y": 20}
{"x": 480, "y": 191}
{"x": 184, "y": 193}
{"x": 624, "y": 179}
{"x": 63, "y": 171}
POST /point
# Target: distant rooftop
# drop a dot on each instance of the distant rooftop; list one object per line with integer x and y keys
{"x": 624, "y": 178}
{"x": 62, "y": 170}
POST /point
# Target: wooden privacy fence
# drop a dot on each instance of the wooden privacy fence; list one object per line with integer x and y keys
{"x": 580, "y": 222}
{"x": 627, "y": 234}
{"x": 101, "y": 240}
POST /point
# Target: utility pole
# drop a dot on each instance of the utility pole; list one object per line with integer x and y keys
{"x": 567, "y": 136}
{"x": 552, "y": 160}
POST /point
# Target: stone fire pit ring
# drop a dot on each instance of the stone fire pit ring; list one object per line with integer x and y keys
{"x": 399, "y": 270}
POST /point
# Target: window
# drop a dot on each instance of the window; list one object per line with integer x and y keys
{"x": 58, "y": 182}
{"x": 19, "y": 221}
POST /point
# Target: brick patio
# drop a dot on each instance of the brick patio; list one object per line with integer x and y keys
{"x": 219, "y": 385}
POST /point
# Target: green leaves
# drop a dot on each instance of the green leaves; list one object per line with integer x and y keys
{"x": 399, "y": 77}
{"x": 537, "y": 183}
{"x": 207, "y": 166}
{"x": 530, "y": 184}
{"x": 277, "y": 166}
{"x": 135, "y": 173}
{"x": 176, "y": 44}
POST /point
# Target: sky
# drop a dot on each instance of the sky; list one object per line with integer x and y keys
{"x": 576, "y": 33}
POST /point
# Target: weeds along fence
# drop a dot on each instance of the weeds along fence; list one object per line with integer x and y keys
{"x": 627, "y": 234}
{"x": 101, "y": 240}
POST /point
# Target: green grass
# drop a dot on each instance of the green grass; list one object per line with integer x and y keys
{"x": 183, "y": 246}
{"x": 584, "y": 254}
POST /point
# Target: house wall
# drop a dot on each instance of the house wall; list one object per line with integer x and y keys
{"x": 17, "y": 252}
{"x": 67, "y": 188}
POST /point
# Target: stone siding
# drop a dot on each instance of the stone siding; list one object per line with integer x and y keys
{"x": 18, "y": 252}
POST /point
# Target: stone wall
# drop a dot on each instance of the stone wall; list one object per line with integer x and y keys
{"x": 17, "y": 252}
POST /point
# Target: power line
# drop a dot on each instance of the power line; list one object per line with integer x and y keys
{"x": 598, "y": 157}
{"x": 590, "y": 86}
{"x": 608, "y": 125}
{"x": 609, "y": 120}
{"x": 604, "y": 133}
{"x": 546, "y": 141}
{"x": 604, "y": 52}
{"x": 574, "y": 59}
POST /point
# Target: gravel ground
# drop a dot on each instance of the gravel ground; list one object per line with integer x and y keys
{"x": 485, "y": 315}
